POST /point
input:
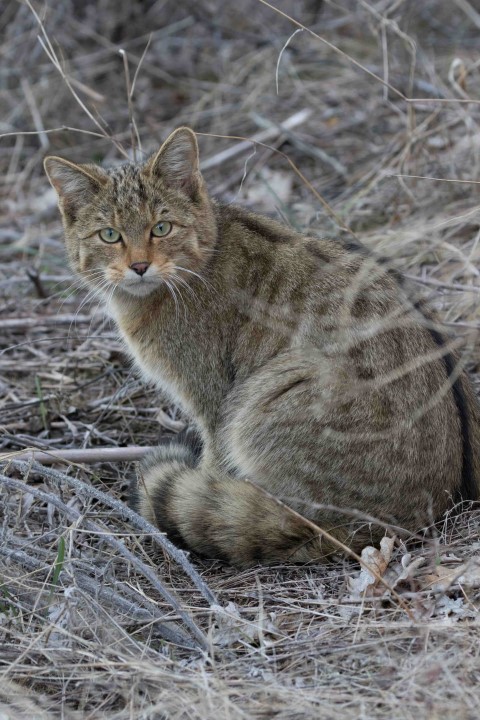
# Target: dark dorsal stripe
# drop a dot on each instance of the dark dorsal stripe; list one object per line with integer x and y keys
{"x": 257, "y": 224}
{"x": 468, "y": 487}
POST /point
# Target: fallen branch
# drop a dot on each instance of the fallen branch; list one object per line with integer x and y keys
{"x": 73, "y": 514}
{"x": 87, "y": 456}
{"x": 125, "y": 513}
{"x": 36, "y": 322}
{"x": 261, "y": 137}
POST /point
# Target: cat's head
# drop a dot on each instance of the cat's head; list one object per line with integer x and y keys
{"x": 135, "y": 226}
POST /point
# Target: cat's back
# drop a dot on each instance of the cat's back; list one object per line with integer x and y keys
{"x": 334, "y": 299}
{"x": 303, "y": 283}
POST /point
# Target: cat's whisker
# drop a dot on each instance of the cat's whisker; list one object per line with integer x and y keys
{"x": 184, "y": 284}
{"x": 95, "y": 277}
{"x": 62, "y": 289}
{"x": 99, "y": 299}
{"x": 93, "y": 271}
{"x": 174, "y": 296}
{"x": 77, "y": 280}
{"x": 73, "y": 287}
{"x": 96, "y": 292}
{"x": 172, "y": 279}
{"x": 172, "y": 293}
{"x": 208, "y": 285}
{"x": 86, "y": 276}
{"x": 110, "y": 297}
{"x": 104, "y": 304}
{"x": 77, "y": 284}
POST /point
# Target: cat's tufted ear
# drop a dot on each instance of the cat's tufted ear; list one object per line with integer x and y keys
{"x": 178, "y": 162}
{"x": 76, "y": 185}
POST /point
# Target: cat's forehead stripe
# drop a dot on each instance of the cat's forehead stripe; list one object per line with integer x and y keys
{"x": 128, "y": 184}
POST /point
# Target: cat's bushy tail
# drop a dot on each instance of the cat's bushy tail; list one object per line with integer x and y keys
{"x": 220, "y": 516}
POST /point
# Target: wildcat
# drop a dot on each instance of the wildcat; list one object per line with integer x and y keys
{"x": 302, "y": 362}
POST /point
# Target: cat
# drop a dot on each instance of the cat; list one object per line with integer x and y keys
{"x": 302, "y": 362}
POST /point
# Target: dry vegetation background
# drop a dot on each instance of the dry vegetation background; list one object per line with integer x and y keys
{"x": 90, "y": 626}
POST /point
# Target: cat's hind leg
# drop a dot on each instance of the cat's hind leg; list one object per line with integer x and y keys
{"x": 343, "y": 452}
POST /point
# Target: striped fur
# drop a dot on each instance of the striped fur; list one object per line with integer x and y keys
{"x": 303, "y": 363}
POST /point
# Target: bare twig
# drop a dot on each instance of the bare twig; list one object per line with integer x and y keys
{"x": 28, "y": 323}
{"x": 127, "y": 514}
{"x": 93, "y": 527}
{"x": 437, "y": 179}
{"x": 100, "y": 592}
{"x": 36, "y": 117}
{"x": 140, "y": 62}
{"x": 261, "y": 137}
{"x": 286, "y": 44}
{"x": 90, "y": 455}
{"x": 36, "y": 280}
{"x": 134, "y": 136}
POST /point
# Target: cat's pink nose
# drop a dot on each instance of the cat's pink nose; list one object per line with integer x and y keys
{"x": 140, "y": 267}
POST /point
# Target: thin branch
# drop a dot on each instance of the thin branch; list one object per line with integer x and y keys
{"x": 87, "y": 456}
{"x": 337, "y": 543}
{"x": 35, "y": 112}
{"x": 134, "y": 138}
{"x": 429, "y": 177}
{"x": 140, "y": 62}
{"x": 147, "y": 572}
{"x": 126, "y": 514}
{"x": 35, "y": 322}
{"x": 21, "y": 133}
{"x": 169, "y": 631}
{"x": 280, "y": 54}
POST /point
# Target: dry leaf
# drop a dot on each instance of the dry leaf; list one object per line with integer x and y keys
{"x": 271, "y": 189}
{"x": 406, "y": 570}
{"x": 470, "y": 578}
{"x": 230, "y": 627}
{"x": 374, "y": 565}
{"x": 465, "y": 575}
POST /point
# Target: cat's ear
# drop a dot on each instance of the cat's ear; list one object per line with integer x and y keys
{"x": 178, "y": 162}
{"x": 75, "y": 184}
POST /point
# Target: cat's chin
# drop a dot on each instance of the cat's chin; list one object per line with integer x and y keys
{"x": 140, "y": 289}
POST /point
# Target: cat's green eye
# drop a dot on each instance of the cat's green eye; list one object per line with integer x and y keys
{"x": 109, "y": 235}
{"x": 161, "y": 229}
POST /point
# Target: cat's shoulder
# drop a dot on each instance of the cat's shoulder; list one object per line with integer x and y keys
{"x": 234, "y": 219}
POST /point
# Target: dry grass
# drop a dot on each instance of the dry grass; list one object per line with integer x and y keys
{"x": 90, "y": 625}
